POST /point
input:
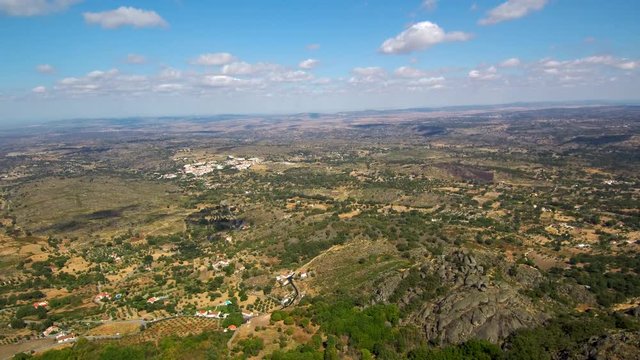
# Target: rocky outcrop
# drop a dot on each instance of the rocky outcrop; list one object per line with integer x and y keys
{"x": 467, "y": 304}
{"x": 492, "y": 314}
{"x": 616, "y": 346}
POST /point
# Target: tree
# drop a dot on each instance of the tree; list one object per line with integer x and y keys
{"x": 18, "y": 324}
{"x": 251, "y": 346}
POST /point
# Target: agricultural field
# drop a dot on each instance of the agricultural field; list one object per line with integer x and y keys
{"x": 481, "y": 232}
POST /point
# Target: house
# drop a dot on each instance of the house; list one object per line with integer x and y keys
{"x": 221, "y": 264}
{"x": 152, "y": 300}
{"x": 39, "y": 304}
{"x": 65, "y": 338}
{"x": 101, "y": 296}
{"x": 210, "y": 314}
{"x": 232, "y": 327}
{"x": 247, "y": 316}
{"x": 51, "y": 330}
{"x": 303, "y": 275}
{"x": 284, "y": 279}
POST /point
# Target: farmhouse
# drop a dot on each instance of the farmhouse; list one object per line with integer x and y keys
{"x": 39, "y": 304}
{"x": 211, "y": 314}
{"x": 101, "y": 296}
{"x": 51, "y": 330}
{"x": 65, "y": 338}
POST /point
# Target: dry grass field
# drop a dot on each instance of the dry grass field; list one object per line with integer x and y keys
{"x": 83, "y": 205}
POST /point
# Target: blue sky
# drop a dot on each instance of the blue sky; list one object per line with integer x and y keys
{"x": 74, "y": 58}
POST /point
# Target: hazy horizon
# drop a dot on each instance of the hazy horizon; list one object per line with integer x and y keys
{"x": 87, "y": 59}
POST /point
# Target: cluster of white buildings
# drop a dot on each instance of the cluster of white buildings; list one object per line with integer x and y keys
{"x": 211, "y": 314}
{"x": 220, "y": 265}
{"x": 284, "y": 278}
{"x": 65, "y": 338}
{"x": 241, "y": 163}
{"x": 204, "y": 167}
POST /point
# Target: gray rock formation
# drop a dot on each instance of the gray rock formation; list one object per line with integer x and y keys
{"x": 471, "y": 307}
{"x": 615, "y": 346}
{"x": 492, "y": 314}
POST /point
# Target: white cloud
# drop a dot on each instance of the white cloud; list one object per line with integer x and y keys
{"x": 167, "y": 87}
{"x": 420, "y": 36}
{"x": 238, "y": 68}
{"x": 491, "y": 73}
{"x": 432, "y": 82}
{"x": 308, "y": 64}
{"x": 511, "y": 10}
{"x": 629, "y": 65}
{"x": 312, "y": 47}
{"x": 34, "y": 7}
{"x": 368, "y": 71}
{"x": 45, "y": 69}
{"x": 367, "y": 75}
{"x": 290, "y": 76}
{"x": 512, "y": 62}
{"x": 136, "y": 59}
{"x": 170, "y": 74}
{"x": 409, "y": 72}
{"x": 624, "y": 64}
{"x": 244, "y": 68}
{"x": 214, "y": 59}
{"x": 583, "y": 64}
{"x": 125, "y": 16}
{"x": 242, "y": 79}
{"x": 221, "y": 80}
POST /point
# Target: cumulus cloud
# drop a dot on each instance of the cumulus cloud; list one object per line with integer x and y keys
{"x": 244, "y": 68}
{"x": 290, "y": 76}
{"x": 367, "y": 75}
{"x": 221, "y": 80}
{"x": 420, "y": 36}
{"x": 490, "y": 73}
{"x": 238, "y": 68}
{"x": 136, "y": 59}
{"x": 511, "y": 10}
{"x": 624, "y": 64}
{"x": 581, "y": 63}
{"x": 512, "y": 62}
{"x": 628, "y": 65}
{"x": 260, "y": 79}
{"x": 34, "y": 7}
{"x": 436, "y": 82}
{"x": 368, "y": 71}
{"x": 214, "y": 59}
{"x": 45, "y": 69}
{"x": 308, "y": 64}
{"x": 409, "y": 72}
{"x": 125, "y": 16}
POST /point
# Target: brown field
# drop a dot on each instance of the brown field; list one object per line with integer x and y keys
{"x": 119, "y": 328}
{"x": 180, "y": 326}
{"x": 84, "y": 205}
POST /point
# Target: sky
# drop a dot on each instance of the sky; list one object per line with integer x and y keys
{"x": 102, "y": 58}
